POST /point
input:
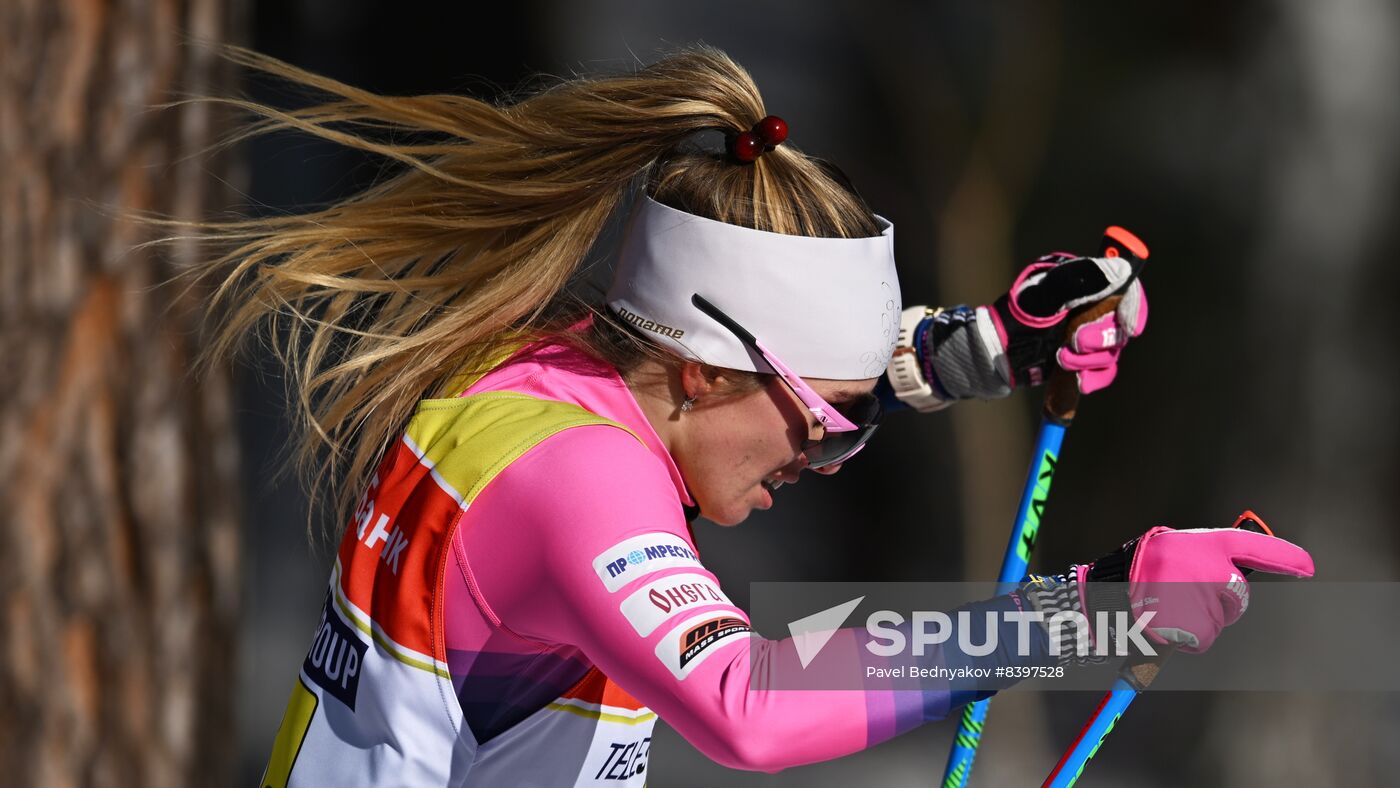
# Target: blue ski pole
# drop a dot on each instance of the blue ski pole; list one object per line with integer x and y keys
{"x": 1061, "y": 402}
{"x": 1135, "y": 677}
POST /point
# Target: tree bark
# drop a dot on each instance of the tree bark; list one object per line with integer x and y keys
{"x": 119, "y": 543}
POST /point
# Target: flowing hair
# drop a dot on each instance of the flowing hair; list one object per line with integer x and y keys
{"x": 392, "y": 294}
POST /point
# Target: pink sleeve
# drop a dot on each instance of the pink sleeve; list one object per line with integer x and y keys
{"x": 582, "y": 541}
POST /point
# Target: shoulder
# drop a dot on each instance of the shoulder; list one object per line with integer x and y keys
{"x": 577, "y": 517}
{"x": 593, "y": 465}
{"x": 578, "y": 494}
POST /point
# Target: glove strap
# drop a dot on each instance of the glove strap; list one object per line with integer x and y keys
{"x": 1106, "y": 581}
{"x": 1059, "y": 594}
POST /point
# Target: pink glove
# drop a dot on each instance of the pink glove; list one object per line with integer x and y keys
{"x": 1192, "y": 581}
{"x": 1092, "y": 352}
{"x": 1030, "y": 318}
{"x": 984, "y": 353}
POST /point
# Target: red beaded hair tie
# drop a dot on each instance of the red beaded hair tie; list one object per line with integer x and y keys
{"x": 765, "y": 135}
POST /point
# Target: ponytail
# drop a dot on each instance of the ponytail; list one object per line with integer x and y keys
{"x": 383, "y": 298}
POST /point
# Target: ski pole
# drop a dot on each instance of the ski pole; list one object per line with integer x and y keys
{"x": 1061, "y": 402}
{"x": 1136, "y": 676}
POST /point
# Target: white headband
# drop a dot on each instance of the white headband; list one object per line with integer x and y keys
{"x": 827, "y": 307}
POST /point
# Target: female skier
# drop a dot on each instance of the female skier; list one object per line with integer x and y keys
{"x": 517, "y": 595}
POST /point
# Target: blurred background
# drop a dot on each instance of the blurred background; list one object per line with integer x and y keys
{"x": 159, "y": 589}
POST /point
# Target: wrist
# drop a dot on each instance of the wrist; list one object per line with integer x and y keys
{"x": 923, "y": 350}
{"x": 1105, "y": 582}
{"x": 1060, "y": 601}
{"x": 965, "y": 348}
{"x": 910, "y": 373}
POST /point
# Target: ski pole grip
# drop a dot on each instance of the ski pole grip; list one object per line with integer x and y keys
{"x": 1062, "y": 391}
{"x": 1140, "y": 672}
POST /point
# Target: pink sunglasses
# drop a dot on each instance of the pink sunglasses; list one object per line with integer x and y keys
{"x": 836, "y": 436}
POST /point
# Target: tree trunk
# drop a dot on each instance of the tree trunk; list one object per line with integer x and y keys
{"x": 119, "y": 543}
{"x": 1004, "y": 140}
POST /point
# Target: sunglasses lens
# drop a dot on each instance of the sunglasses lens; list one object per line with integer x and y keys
{"x": 838, "y": 447}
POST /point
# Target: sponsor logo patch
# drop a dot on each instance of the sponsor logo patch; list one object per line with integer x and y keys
{"x": 336, "y": 657}
{"x": 624, "y": 760}
{"x": 641, "y": 555}
{"x": 649, "y": 606}
{"x": 684, "y": 648}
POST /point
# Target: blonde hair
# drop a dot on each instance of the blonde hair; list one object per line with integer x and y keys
{"x": 383, "y": 298}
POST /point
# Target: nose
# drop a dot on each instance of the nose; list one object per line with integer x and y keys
{"x": 827, "y": 470}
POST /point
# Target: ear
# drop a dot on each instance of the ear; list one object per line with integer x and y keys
{"x": 697, "y": 380}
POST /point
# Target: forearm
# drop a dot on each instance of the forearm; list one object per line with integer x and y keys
{"x": 766, "y": 711}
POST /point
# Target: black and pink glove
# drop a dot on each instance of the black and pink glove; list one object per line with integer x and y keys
{"x": 1191, "y": 581}
{"x": 985, "y": 352}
